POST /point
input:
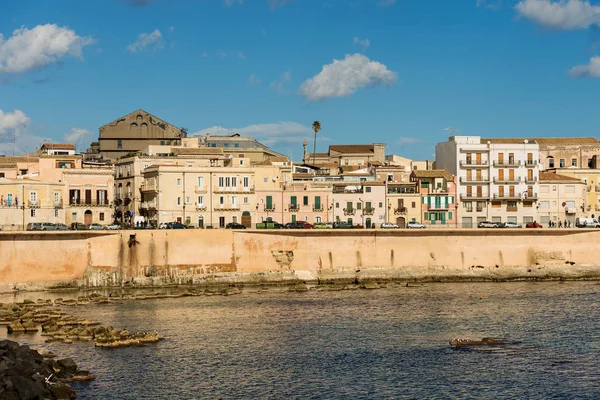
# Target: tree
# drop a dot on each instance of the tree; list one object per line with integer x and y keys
{"x": 316, "y": 127}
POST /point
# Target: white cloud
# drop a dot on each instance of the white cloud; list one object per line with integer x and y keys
{"x": 254, "y": 80}
{"x": 13, "y": 121}
{"x": 590, "y": 70}
{"x": 563, "y": 14}
{"x": 81, "y": 138}
{"x": 15, "y": 137}
{"x": 35, "y": 48}
{"x": 386, "y": 3}
{"x": 364, "y": 43}
{"x": 344, "y": 77}
{"x": 229, "y": 3}
{"x": 490, "y": 5}
{"x": 279, "y": 84}
{"x": 273, "y": 4}
{"x": 268, "y": 134}
{"x": 147, "y": 41}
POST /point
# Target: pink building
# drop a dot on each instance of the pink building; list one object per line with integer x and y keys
{"x": 439, "y": 204}
{"x": 295, "y": 201}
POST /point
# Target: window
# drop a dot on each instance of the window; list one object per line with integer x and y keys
{"x": 234, "y": 202}
{"x": 101, "y": 216}
{"x": 590, "y": 162}
{"x": 245, "y": 200}
{"x": 551, "y": 163}
{"x": 225, "y": 144}
{"x": 236, "y": 145}
{"x": 246, "y": 181}
{"x": 359, "y": 206}
{"x": 221, "y": 181}
{"x": 179, "y": 201}
{"x": 221, "y": 200}
{"x": 562, "y": 163}
{"x": 201, "y": 181}
{"x": 468, "y": 205}
{"x": 293, "y": 202}
{"x": 241, "y": 162}
{"x": 187, "y": 200}
{"x": 337, "y": 205}
{"x": 119, "y": 144}
{"x": 56, "y": 212}
{"x": 414, "y": 204}
{"x": 162, "y": 142}
{"x": 1, "y": 174}
{"x": 317, "y": 202}
{"x": 544, "y": 204}
{"x": 74, "y": 216}
{"x": 570, "y": 189}
{"x": 178, "y": 181}
{"x": 381, "y": 204}
{"x": 265, "y": 180}
{"x": 33, "y": 196}
{"x": 32, "y": 211}
{"x": 305, "y": 200}
{"x": 200, "y": 200}
{"x": 269, "y": 205}
{"x": 574, "y": 162}
{"x": 368, "y": 189}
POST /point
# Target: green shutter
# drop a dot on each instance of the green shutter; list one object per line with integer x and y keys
{"x": 318, "y": 202}
{"x": 426, "y": 217}
{"x": 443, "y": 216}
{"x": 450, "y": 216}
{"x": 293, "y": 217}
{"x": 293, "y": 201}
{"x": 422, "y": 199}
{"x": 269, "y": 202}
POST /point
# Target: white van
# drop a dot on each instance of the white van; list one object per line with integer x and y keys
{"x": 586, "y": 223}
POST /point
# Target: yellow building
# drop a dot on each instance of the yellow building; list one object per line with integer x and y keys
{"x": 561, "y": 198}
{"x": 591, "y": 182}
{"x": 403, "y": 202}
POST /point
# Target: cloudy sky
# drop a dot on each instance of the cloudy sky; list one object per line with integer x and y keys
{"x": 392, "y": 71}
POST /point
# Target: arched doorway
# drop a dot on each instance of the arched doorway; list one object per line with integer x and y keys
{"x": 247, "y": 219}
{"x": 401, "y": 222}
{"x": 87, "y": 218}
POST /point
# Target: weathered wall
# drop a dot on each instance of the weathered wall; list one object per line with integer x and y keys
{"x": 158, "y": 257}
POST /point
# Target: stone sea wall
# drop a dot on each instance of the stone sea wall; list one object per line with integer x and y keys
{"x": 38, "y": 260}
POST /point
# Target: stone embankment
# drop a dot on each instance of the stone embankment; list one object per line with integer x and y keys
{"x": 27, "y": 374}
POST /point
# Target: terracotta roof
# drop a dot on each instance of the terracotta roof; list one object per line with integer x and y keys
{"x": 350, "y": 168}
{"x": 352, "y": 148}
{"x": 432, "y": 173}
{"x": 61, "y": 146}
{"x": 198, "y": 151}
{"x": 551, "y": 176}
{"x": 279, "y": 159}
{"x": 310, "y": 155}
{"x": 544, "y": 141}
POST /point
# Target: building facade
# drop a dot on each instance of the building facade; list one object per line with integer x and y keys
{"x": 562, "y": 198}
{"x": 403, "y": 202}
{"x": 439, "y": 205}
{"x": 360, "y": 203}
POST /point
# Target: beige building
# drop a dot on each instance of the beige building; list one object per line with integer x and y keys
{"x": 359, "y": 203}
{"x": 439, "y": 203}
{"x": 358, "y": 155}
{"x": 403, "y": 203}
{"x": 562, "y": 198}
{"x": 577, "y": 152}
{"x": 132, "y": 133}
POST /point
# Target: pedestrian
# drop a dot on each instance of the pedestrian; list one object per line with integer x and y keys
{"x": 559, "y": 223}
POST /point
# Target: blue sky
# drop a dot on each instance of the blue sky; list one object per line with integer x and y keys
{"x": 405, "y": 69}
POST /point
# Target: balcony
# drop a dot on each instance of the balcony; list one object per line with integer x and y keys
{"x": 369, "y": 211}
{"x": 347, "y": 189}
{"x": 530, "y": 196}
{"x": 404, "y": 189}
{"x": 533, "y": 179}
{"x": 317, "y": 207}
{"x": 234, "y": 190}
{"x": 33, "y": 204}
{"x": 530, "y": 163}
{"x": 58, "y": 204}
{"x": 88, "y": 203}
{"x": 200, "y": 207}
{"x": 507, "y": 163}
{"x": 507, "y": 180}
{"x": 149, "y": 205}
{"x": 227, "y": 207}
{"x": 512, "y": 209}
{"x": 571, "y": 210}
{"x": 474, "y": 196}
{"x": 507, "y": 196}
{"x": 400, "y": 211}
{"x": 270, "y": 209}
{"x": 294, "y": 208}
{"x": 439, "y": 190}
{"x": 149, "y": 188}
{"x": 474, "y": 181}
{"x": 473, "y": 163}
{"x": 349, "y": 211}
{"x": 200, "y": 189}
{"x": 438, "y": 207}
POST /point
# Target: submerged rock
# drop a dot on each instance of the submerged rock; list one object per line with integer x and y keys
{"x": 471, "y": 342}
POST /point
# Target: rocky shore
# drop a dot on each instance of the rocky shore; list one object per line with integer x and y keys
{"x": 26, "y": 374}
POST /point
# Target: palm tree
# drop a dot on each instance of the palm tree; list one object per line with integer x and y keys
{"x": 316, "y": 127}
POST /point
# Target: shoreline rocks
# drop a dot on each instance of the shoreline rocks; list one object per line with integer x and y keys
{"x": 27, "y": 374}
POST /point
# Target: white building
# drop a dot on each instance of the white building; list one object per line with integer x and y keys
{"x": 497, "y": 178}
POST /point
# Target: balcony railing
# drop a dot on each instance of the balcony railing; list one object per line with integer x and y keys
{"x": 530, "y": 163}
{"x": 473, "y": 163}
{"x": 571, "y": 210}
{"x": 531, "y": 180}
{"x": 149, "y": 205}
{"x": 400, "y": 211}
{"x": 294, "y": 208}
{"x": 349, "y": 211}
{"x": 507, "y": 196}
{"x": 441, "y": 206}
{"x": 200, "y": 207}
{"x": 92, "y": 203}
{"x": 474, "y": 181}
{"x": 269, "y": 209}
{"x": 507, "y": 163}
{"x": 530, "y": 196}
{"x": 507, "y": 180}
{"x": 200, "y": 189}
{"x": 33, "y": 204}
{"x": 369, "y": 211}
{"x": 317, "y": 208}
{"x": 227, "y": 207}
{"x": 148, "y": 188}
{"x": 58, "y": 204}
{"x": 474, "y": 196}
{"x": 234, "y": 190}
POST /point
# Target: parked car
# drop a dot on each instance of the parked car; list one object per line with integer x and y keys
{"x": 234, "y": 225}
{"x": 488, "y": 224}
{"x": 78, "y": 226}
{"x": 61, "y": 227}
{"x": 175, "y": 225}
{"x": 34, "y": 226}
{"x": 269, "y": 224}
{"x": 113, "y": 227}
{"x": 415, "y": 225}
{"x": 389, "y": 225}
{"x": 322, "y": 225}
{"x": 298, "y": 225}
{"x": 533, "y": 224}
{"x": 342, "y": 225}
{"x": 512, "y": 225}
{"x": 95, "y": 227}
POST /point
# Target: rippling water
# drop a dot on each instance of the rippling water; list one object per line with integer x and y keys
{"x": 387, "y": 343}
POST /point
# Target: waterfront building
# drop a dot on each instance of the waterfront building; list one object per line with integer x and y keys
{"x": 240, "y": 146}
{"x": 407, "y": 163}
{"x": 561, "y": 198}
{"x": 271, "y": 177}
{"x": 359, "y": 155}
{"x": 57, "y": 149}
{"x": 133, "y": 133}
{"x": 359, "y": 203}
{"x": 497, "y": 178}
{"x": 576, "y": 152}
{"x": 438, "y": 197}
{"x": 403, "y": 202}
{"x": 307, "y": 201}
{"x": 591, "y": 179}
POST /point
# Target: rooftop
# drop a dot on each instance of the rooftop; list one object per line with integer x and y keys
{"x": 352, "y": 148}
{"x": 565, "y": 141}
{"x": 551, "y": 176}
{"x": 59, "y": 146}
{"x": 432, "y": 173}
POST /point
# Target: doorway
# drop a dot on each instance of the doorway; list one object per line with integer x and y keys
{"x": 87, "y": 218}
{"x": 246, "y": 219}
{"x": 401, "y": 222}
